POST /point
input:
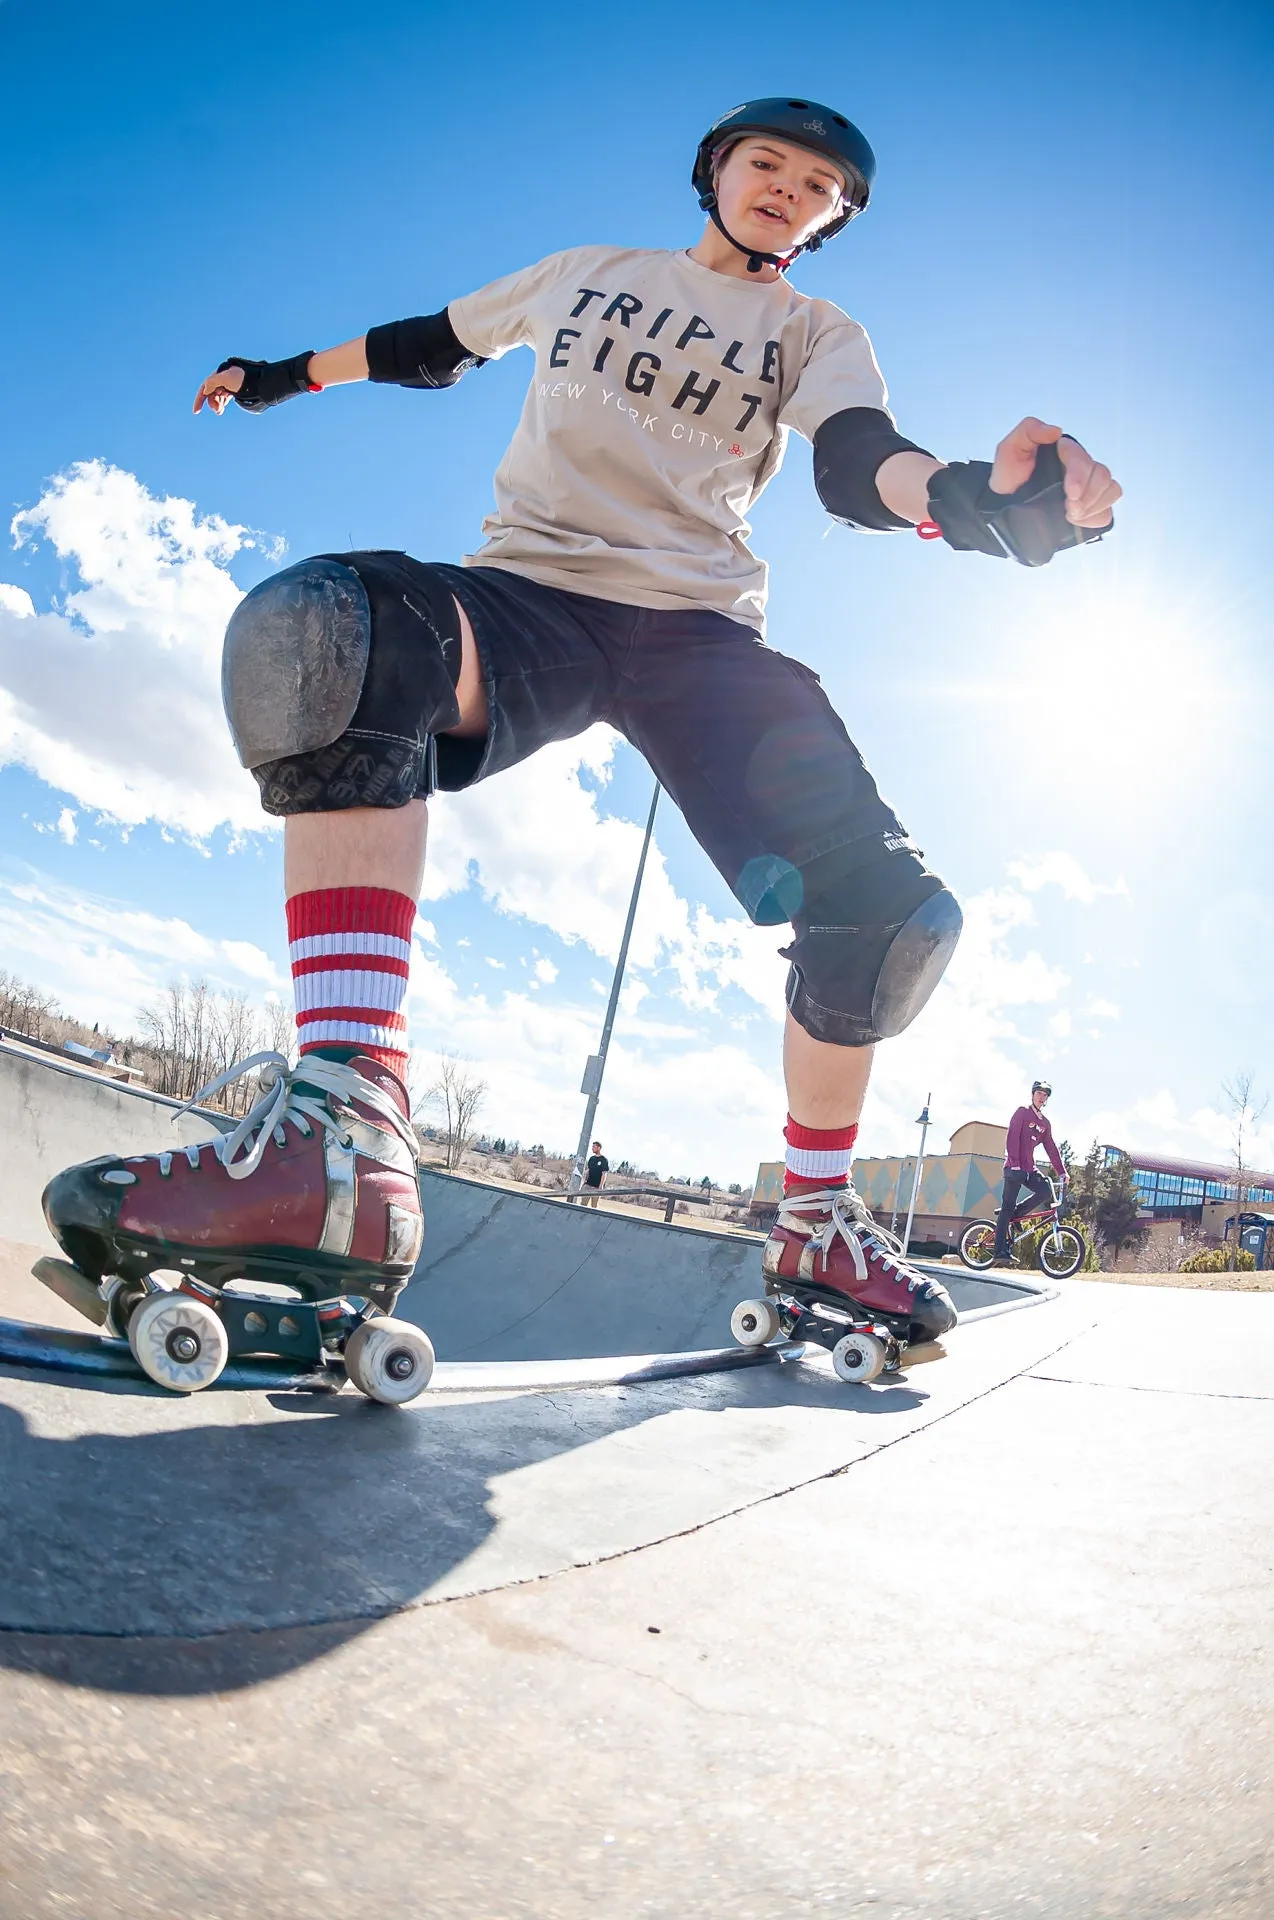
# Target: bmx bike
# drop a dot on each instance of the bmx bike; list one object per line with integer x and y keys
{"x": 1061, "y": 1251}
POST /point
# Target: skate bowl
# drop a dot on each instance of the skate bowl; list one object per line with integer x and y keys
{"x": 170, "y": 1541}
{"x": 512, "y": 1288}
{"x": 509, "y": 1277}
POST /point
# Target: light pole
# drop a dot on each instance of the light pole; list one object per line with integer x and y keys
{"x": 596, "y": 1065}
{"x": 923, "y": 1124}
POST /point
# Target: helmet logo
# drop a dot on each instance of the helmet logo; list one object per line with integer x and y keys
{"x": 814, "y": 126}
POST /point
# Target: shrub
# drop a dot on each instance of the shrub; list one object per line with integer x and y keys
{"x": 1217, "y": 1260}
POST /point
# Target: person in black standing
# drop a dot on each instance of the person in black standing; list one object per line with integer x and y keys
{"x": 594, "y": 1175}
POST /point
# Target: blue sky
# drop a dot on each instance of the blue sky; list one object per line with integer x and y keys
{"x": 1071, "y": 219}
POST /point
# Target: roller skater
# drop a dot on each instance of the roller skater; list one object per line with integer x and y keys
{"x": 615, "y": 582}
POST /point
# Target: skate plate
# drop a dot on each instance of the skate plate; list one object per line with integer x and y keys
{"x": 54, "y": 1350}
{"x": 185, "y": 1337}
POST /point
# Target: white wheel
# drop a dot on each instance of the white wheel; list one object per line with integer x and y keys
{"x": 389, "y": 1360}
{"x": 178, "y": 1341}
{"x": 753, "y": 1322}
{"x": 859, "y": 1357}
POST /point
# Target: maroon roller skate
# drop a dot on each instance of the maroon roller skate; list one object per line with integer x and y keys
{"x": 833, "y": 1276}
{"x": 291, "y": 1234}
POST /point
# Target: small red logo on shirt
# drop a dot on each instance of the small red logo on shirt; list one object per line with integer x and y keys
{"x": 736, "y": 448}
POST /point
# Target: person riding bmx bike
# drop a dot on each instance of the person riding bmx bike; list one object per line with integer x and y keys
{"x": 614, "y": 583}
{"x": 1026, "y": 1189}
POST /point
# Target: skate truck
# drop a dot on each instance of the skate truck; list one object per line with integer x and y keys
{"x": 182, "y": 1329}
{"x": 864, "y": 1342}
{"x": 1061, "y": 1252}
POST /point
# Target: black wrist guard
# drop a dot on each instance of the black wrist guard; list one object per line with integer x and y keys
{"x": 1030, "y": 525}
{"x": 266, "y": 382}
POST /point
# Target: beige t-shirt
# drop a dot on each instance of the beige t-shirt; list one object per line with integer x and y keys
{"x": 660, "y": 408}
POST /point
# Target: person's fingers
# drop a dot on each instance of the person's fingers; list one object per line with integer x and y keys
{"x": 1014, "y": 461}
{"x": 1091, "y": 490}
{"x": 219, "y": 389}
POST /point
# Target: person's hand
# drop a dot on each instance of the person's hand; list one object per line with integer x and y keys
{"x": 1091, "y": 493}
{"x": 219, "y": 389}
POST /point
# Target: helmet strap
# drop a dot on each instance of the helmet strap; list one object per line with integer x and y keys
{"x": 708, "y": 201}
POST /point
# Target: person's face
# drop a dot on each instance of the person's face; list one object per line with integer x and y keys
{"x": 775, "y": 196}
{"x": 597, "y": 1146}
{"x": 1039, "y": 1099}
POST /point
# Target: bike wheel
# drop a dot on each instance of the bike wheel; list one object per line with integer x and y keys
{"x": 977, "y": 1245}
{"x": 1061, "y": 1253}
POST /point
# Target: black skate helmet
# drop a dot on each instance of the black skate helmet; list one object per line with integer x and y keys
{"x": 1041, "y": 1086}
{"x": 805, "y": 124}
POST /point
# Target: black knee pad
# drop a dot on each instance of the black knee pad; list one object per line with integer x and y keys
{"x": 336, "y": 674}
{"x": 872, "y": 945}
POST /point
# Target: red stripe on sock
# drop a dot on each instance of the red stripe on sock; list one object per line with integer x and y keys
{"x": 819, "y": 1139}
{"x": 352, "y": 963}
{"x": 350, "y": 910}
{"x": 365, "y": 1016}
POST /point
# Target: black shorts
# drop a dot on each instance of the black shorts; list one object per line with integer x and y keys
{"x": 743, "y": 738}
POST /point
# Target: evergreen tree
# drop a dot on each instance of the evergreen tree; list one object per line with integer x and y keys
{"x": 1117, "y": 1207}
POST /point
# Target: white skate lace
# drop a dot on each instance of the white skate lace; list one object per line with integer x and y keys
{"x": 281, "y": 1103}
{"x": 848, "y": 1217}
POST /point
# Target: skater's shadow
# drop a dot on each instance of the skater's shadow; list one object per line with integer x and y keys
{"x": 189, "y": 1549}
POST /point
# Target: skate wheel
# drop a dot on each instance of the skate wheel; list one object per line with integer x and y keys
{"x": 177, "y": 1341}
{"x": 754, "y": 1322}
{"x": 858, "y": 1357}
{"x": 389, "y": 1360}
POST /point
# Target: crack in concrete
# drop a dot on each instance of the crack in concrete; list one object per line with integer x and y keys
{"x": 1136, "y": 1386}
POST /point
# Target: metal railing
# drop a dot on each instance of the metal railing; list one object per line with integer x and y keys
{"x": 671, "y": 1200}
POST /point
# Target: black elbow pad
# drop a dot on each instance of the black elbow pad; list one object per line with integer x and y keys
{"x": 849, "y": 450}
{"x": 425, "y": 352}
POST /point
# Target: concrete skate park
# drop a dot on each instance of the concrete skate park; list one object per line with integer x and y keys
{"x": 586, "y": 1628}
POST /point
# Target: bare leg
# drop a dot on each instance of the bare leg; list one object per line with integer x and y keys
{"x": 826, "y": 1085}
{"x": 377, "y": 846}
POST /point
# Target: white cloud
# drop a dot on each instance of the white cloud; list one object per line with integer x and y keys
{"x": 114, "y": 697}
{"x": 104, "y": 961}
{"x": 1059, "y": 869}
{"x": 1155, "y": 1123}
{"x": 542, "y": 850}
{"x": 66, "y": 825}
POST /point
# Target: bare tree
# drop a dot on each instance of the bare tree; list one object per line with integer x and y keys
{"x": 459, "y": 1093}
{"x": 278, "y": 1028}
{"x": 1246, "y": 1113}
{"x": 25, "y": 1008}
{"x": 194, "y": 1035}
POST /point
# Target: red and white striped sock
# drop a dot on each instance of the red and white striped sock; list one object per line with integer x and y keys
{"x": 351, "y": 952}
{"x": 817, "y": 1156}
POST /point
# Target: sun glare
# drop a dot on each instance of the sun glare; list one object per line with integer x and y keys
{"x": 1134, "y": 691}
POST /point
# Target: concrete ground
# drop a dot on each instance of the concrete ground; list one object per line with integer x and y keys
{"x": 990, "y": 1642}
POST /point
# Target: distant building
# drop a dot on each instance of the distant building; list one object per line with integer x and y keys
{"x": 955, "y": 1188}
{"x": 965, "y": 1184}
